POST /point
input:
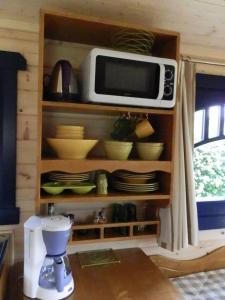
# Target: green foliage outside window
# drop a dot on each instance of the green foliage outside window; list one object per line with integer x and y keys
{"x": 209, "y": 169}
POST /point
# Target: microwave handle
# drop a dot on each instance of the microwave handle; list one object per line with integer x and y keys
{"x": 161, "y": 82}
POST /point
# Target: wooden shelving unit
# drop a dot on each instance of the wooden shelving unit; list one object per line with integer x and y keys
{"x": 75, "y": 30}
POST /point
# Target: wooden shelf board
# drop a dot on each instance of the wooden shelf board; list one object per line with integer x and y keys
{"x": 100, "y": 109}
{"x": 113, "y": 239}
{"x": 48, "y": 165}
{"x": 112, "y": 225}
{"x": 155, "y": 196}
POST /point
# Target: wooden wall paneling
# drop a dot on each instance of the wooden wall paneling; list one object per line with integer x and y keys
{"x": 208, "y": 53}
{"x": 176, "y": 15}
{"x": 23, "y": 36}
{"x": 210, "y": 69}
{"x": 26, "y": 152}
{"x": 17, "y": 46}
{"x": 25, "y": 199}
{"x": 26, "y": 128}
{"x": 27, "y": 102}
{"x": 28, "y": 80}
{"x": 32, "y": 59}
{"x": 26, "y": 176}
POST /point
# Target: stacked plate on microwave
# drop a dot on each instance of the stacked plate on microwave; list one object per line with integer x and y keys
{"x": 135, "y": 182}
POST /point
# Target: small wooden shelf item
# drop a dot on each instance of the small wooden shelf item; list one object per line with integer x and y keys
{"x": 114, "y": 231}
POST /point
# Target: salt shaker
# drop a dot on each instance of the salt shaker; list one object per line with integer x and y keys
{"x": 102, "y": 185}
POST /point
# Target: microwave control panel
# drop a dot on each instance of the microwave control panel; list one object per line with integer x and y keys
{"x": 169, "y": 82}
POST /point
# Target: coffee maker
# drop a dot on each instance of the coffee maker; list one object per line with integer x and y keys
{"x": 47, "y": 273}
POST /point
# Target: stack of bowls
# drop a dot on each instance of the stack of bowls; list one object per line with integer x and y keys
{"x": 117, "y": 150}
{"x": 69, "y": 132}
{"x": 70, "y": 143}
{"x": 149, "y": 151}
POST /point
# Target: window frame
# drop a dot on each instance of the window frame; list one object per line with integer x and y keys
{"x": 211, "y": 213}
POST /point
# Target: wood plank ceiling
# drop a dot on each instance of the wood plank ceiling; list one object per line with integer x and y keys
{"x": 201, "y": 22}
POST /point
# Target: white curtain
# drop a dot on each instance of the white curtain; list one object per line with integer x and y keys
{"x": 179, "y": 223}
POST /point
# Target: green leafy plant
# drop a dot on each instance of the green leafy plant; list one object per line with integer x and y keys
{"x": 209, "y": 169}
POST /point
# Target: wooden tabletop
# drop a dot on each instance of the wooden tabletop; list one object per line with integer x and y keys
{"x": 134, "y": 278}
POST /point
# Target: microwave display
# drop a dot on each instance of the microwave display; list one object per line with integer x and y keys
{"x": 124, "y": 77}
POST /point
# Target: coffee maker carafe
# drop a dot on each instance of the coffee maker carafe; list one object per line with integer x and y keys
{"x": 47, "y": 273}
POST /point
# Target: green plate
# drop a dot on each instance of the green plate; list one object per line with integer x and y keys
{"x": 55, "y": 188}
{"x": 82, "y": 188}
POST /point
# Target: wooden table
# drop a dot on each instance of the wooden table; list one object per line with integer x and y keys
{"x": 134, "y": 278}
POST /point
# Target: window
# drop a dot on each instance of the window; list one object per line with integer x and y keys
{"x": 209, "y": 152}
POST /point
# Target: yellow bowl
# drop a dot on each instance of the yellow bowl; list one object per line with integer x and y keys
{"x": 116, "y": 150}
{"x": 70, "y": 136}
{"x": 69, "y": 127}
{"x": 69, "y": 130}
{"x": 71, "y": 148}
{"x": 149, "y": 151}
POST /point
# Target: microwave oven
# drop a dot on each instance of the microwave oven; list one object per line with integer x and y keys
{"x": 122, "y": 78}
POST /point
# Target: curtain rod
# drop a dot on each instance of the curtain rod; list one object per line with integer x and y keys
{"x": 202, "y": 61}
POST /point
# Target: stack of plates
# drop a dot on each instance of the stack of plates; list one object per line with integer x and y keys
{"x": 136, "y": 188}
{"x": 136, "y": 178}
{"x": 68, "y": 177}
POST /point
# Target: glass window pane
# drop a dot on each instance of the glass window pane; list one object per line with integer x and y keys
{"x": 209, "y": 171}
{"x": 199, "y": 126}
{"x": 214, "y": 121}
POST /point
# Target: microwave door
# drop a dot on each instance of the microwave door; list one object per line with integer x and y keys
{"x": 161, "y": 82}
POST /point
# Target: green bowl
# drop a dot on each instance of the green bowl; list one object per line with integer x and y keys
{"x": 53, "y": 188}
{"x": 82, "y": 188}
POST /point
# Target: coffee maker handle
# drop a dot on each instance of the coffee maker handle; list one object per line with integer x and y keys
{"x": 59, "y": 274}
